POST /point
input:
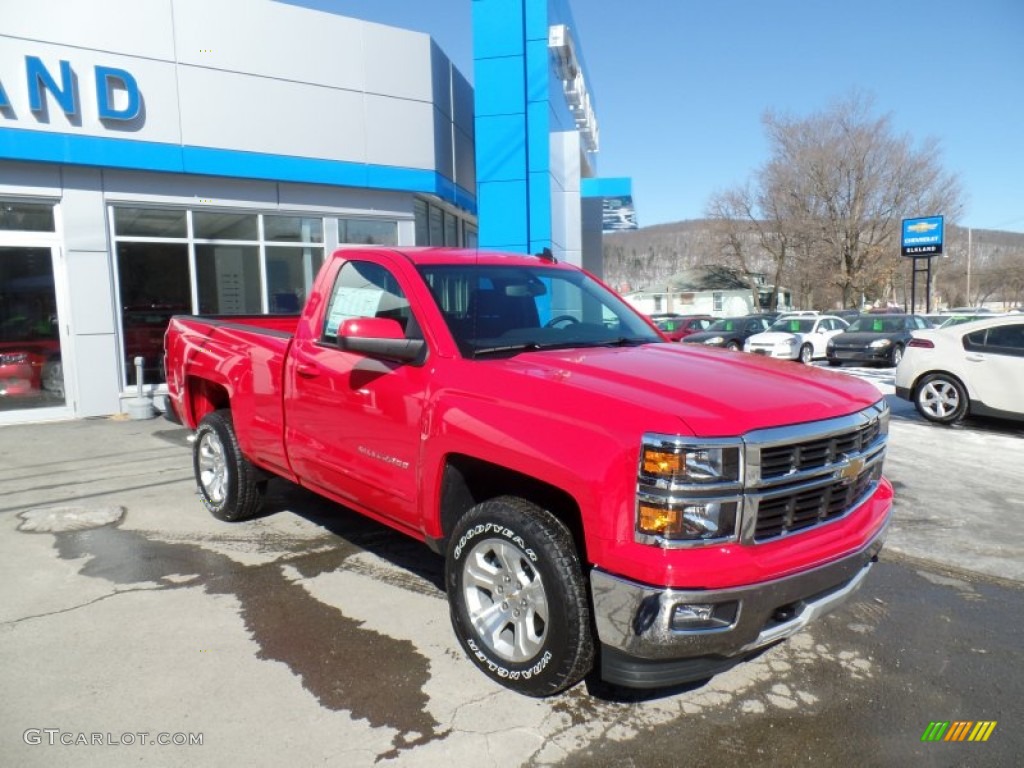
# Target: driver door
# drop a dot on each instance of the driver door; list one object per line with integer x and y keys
{"x": 353, "y": 422}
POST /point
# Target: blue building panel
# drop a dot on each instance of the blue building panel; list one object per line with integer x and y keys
{"x": 538, "y": 136}
{"x": 540, "y": 208}
{"x": 499, "y": 86}
{"x": 610, "y": 187}
{"x": 497, "y": 28}
{"x": 509, "y": 231}
{"x": 500, "y": 150}
{"x": 537, "y": 15}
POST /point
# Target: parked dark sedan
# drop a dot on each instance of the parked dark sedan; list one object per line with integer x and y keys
{"x": 729, "y": 332}
{"x": 878, "y": 339}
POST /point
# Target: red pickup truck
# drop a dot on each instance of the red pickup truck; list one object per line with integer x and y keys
{"x": 603, "y": 498}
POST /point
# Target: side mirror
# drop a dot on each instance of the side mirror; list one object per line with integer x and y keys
{"x": 380, "y": 337}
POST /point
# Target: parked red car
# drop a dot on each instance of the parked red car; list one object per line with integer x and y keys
{"x": 678, "y": 327}
{"x": 27, "y": 368}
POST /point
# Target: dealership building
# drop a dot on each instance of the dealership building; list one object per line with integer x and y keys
{"x": 162, "y": 157}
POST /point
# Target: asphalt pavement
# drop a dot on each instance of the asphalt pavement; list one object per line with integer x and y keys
{"x": 135, "y": 628}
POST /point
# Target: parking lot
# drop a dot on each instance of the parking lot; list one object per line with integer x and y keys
{"x": 133, "y": 626}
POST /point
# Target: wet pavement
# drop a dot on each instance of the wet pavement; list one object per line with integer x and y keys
{"x": 312, "y": 636}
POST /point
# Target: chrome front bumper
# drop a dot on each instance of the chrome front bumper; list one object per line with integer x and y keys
{"x": 642, "y": 648}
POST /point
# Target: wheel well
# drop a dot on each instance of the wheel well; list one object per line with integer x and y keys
{"x": 204, "y": 397}
{"x": 468, "y": 481}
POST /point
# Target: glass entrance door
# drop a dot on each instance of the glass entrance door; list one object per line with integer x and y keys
{"x": 31, "y": 367}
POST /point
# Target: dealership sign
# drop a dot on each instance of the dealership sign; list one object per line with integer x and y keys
{"x": 922, "y": 237}
{"x": 117, "y": 92}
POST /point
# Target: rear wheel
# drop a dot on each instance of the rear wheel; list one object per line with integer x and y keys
{"x": 518, "y": 597}
{"x": 806, "y": 354}
{"x": 941, "y": 398}
{"x": 230, "y": 487}
{"x": 733, "y": 345}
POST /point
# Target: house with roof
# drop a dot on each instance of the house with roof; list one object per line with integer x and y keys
{"x": 708, "y": 290}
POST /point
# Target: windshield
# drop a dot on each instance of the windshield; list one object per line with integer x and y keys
{"x": 500, "y": 309}
{"x": 728, "y": 324}
{"x": 877, "y": 325}
{"x": 793, "y": 325}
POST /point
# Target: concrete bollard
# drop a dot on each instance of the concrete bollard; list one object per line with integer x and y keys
{"x": 140, "y": 407}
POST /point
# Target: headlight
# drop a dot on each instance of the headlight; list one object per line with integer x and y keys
{"x": 714, "y": 340}
{"x": 680, "y": 464}
{"x": 688, "y": 492}
{"x": 687, "y": 522}
{"x": 880, "y": 343}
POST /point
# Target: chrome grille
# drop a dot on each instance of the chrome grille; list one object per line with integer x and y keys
{"x": 795, "y": 512}
{"x": 781, "y": 460}
{"x": 799, "y": 478}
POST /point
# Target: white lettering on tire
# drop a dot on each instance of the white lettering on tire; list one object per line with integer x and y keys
{"x": 499, "y": 530}
{"x": 503, "y": 672}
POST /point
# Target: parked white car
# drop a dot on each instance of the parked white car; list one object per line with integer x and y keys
{"x": 973, "y": 368}
{"x": 802, "y": 338}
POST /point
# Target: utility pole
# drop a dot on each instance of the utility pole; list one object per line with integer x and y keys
{"x": 968, "y": 298}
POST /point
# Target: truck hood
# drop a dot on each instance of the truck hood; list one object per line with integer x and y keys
{"x": 714, "y": 392}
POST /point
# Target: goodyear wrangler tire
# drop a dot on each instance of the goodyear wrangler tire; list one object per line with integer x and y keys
{"x": 518, "y": 597}
{"x": 230, "y": 487}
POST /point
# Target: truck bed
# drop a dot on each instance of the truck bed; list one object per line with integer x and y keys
{"x": 241, "y": 359}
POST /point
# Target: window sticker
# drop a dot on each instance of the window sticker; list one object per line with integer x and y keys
{"x": 352, "y": 302}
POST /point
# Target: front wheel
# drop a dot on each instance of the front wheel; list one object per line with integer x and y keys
{"x": 941, "y": 398}
{"x": 230, "y": 487}
{"x": 896, "y": 356}
{"x": 806, "y": 354}
{"x": 518, "y": 597}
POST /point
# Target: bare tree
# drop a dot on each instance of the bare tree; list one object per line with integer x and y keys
{"x": 834, "y": 191}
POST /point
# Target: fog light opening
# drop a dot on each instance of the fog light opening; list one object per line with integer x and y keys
{"x": 698, "y": 616}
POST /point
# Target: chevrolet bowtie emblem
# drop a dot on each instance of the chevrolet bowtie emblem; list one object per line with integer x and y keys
{"x": 850, "y": 471}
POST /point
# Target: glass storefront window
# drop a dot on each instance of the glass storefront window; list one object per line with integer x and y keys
{"x": 422, "y": 227}
{"x": 31, "y": 372}
{"x": 149, "y": 222}
{"x": 293, "y": 229}
{"x": 436, "y": 226}
{"x": 26, "y": 217}
{"x": 289, "y": 272}
{"x": 451, "y": 230}
{"x": 155, "y": 284}
{"x": 368, "y": 231}
{"x": 208, "y": 225}
{"x": 228, "y": 279}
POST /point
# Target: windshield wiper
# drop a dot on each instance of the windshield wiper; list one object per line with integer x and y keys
{"x": 527, "y": 346}
{"x": 625, "y": 341}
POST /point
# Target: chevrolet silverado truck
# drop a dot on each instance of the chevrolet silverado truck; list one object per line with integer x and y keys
{"x": 604, "y": 500}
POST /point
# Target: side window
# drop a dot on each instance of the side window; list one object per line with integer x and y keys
{"x": 1006, "y": 339}
{"x": 364, "y": 289}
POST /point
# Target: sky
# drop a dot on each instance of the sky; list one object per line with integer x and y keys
{"x": 680, "y": 86}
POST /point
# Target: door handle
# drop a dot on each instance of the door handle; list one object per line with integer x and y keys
{"x": 307, "y": 371}
{"x": 975, "y": 358}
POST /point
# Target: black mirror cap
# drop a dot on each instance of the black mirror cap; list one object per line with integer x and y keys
{"x": 412, "y": 351}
